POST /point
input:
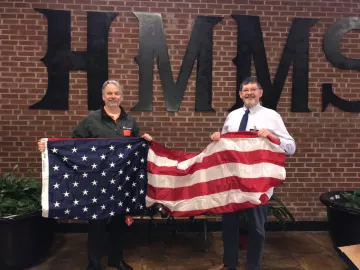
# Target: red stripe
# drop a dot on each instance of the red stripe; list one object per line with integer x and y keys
{"x": 212, "y": 187}
{"x": 232, "y": 207}
{"x": 163, "y": 151}
{"x": 246, "y": 135}
{"x": 229, "y": 156}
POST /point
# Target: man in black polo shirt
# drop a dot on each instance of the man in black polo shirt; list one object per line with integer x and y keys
{"x": 111, "y": 121}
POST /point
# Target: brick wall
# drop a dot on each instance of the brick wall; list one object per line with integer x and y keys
{"x": 327, "y": 156}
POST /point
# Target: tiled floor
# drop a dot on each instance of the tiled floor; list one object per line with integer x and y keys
{"x": 185, "y": 251}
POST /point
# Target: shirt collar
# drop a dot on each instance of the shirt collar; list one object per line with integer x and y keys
{"x": 123, "y": 113}
{"x": 253, "y": 109}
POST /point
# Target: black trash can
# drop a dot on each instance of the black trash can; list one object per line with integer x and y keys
{"x": 344, "y": 222}
{"x": 24, "y": 240}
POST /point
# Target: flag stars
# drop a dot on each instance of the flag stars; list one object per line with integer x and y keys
{"x": 74, "y": 150}
{"x": 67, "y": 211}
{"x": 76, "y": 202}
{"x": 56, "y": 186}
{"x": 85, "y": 209}
{"x": 129, "y": 146}
{"x": 103, "y": 173}
{"x": 56, "y": 168}
{"x": 112, "y": 181}
{"x": 112, "y": 165}
{"x": 136, "y": 153}
{"x": 66, "y": 194}
{"x": 94, "y": 200}
{"x": 85, "y": 192}
{"x": 133, "y": 199}
{"x": 127, "y": 178}
{"x": 144, "y": 145}
{"x": 103, "y": 207}
{"x": 134, "y": 184}
{"x": 54, "y": 150}
{"x": 127, "y": 210}
{"x": 135, "y": 169}
{"x": 94, "y": 183}
{"x": 103, "y": 190}
{"x": 76, "y": 184}
{"x": 141, "y": 191}
{"x": 121, "y": 172}
{"x": 127, "y": 194}
{"x": 128, "y": 163}
{"x": 64, "y": 159}
{"x": 120, "y": 204}
{"x": 102, "y": 156}
{"x": 141, "y": 207}
{"x": 93, "y": 149}
{"x": 84, "y": 175}
{"x": 66, "y": 176}
{"x": 121, "y": 155}
{"x": 141, "y": 176}
{"x": 111, "y": 147}
{"x": 56, "y": 204}
{"x": 84, "y": 158}
{"x": 142, "y": 160}
{"x": 112, "y": 197}
{"x": 119, "y": 187}
{"x": 75, "y": 167}
{"x": 94, "y": 216}
{"x": 94, "y": 166}
{"x": 112, "y": 213}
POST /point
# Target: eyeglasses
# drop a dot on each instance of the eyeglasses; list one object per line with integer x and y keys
{"x": 247, "y": 90}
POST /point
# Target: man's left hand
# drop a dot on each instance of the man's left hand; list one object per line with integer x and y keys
{"x": 147, "y": 137}
{"x": 265, "y": 133}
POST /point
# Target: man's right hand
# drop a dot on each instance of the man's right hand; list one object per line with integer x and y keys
{"x": 41, "y": 146}
{"x": 215, "y": 136}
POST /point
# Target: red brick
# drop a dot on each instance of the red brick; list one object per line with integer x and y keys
{"x": 327, "y": 149}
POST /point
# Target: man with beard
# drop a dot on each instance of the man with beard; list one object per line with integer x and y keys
{"x": 266, "y": 122}
{"x": 111, "y": 121}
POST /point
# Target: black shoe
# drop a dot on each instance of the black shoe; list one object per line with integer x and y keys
{"x": 123, "y": 266}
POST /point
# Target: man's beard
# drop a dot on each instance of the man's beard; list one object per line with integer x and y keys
{"x": 249, "y": 102}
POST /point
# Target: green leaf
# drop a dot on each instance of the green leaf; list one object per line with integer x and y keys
{"x": 19, "y": 194}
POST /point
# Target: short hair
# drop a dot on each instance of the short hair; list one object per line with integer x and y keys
{"x": 250, "y": 80}
{"x": 116, "y": 83}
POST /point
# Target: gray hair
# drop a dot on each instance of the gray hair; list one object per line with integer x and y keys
{"x": 116, "y": 83}
{"x": 249, "y": 80}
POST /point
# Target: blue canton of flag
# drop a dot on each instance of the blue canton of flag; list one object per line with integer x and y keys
{"x": 94, "y": 178}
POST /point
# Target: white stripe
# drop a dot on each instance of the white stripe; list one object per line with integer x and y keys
{"x": 234, "y": 144}
{"x": 45, "y": 181}
{"x": 217, "y": 172}
{"x": 211, "y": 201}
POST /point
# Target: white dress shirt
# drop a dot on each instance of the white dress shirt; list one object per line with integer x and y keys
{"x": 259, "y": 118}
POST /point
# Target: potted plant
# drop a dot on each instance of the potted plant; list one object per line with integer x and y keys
{"x": 276, "y": 209}
{"x": 25, "y": 236}
{"x": 343, "y": 213}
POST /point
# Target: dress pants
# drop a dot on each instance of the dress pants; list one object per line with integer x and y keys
{"x": 230, "y": 234}
{"x": 96, "y": 237}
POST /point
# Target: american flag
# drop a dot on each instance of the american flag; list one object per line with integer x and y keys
{"x": 237, "y": 172}
{"x": 94, "y": 178}
{"x": 99, "y": 178}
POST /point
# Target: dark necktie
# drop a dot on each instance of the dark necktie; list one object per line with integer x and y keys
{"x": 244, "y": 121}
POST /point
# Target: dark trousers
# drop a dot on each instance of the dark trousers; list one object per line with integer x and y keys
{"x": 96, "y": 239}
{"x": 230, "y": 234}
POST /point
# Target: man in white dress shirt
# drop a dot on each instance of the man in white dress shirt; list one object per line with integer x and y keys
{"x": 266, "y": 122}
